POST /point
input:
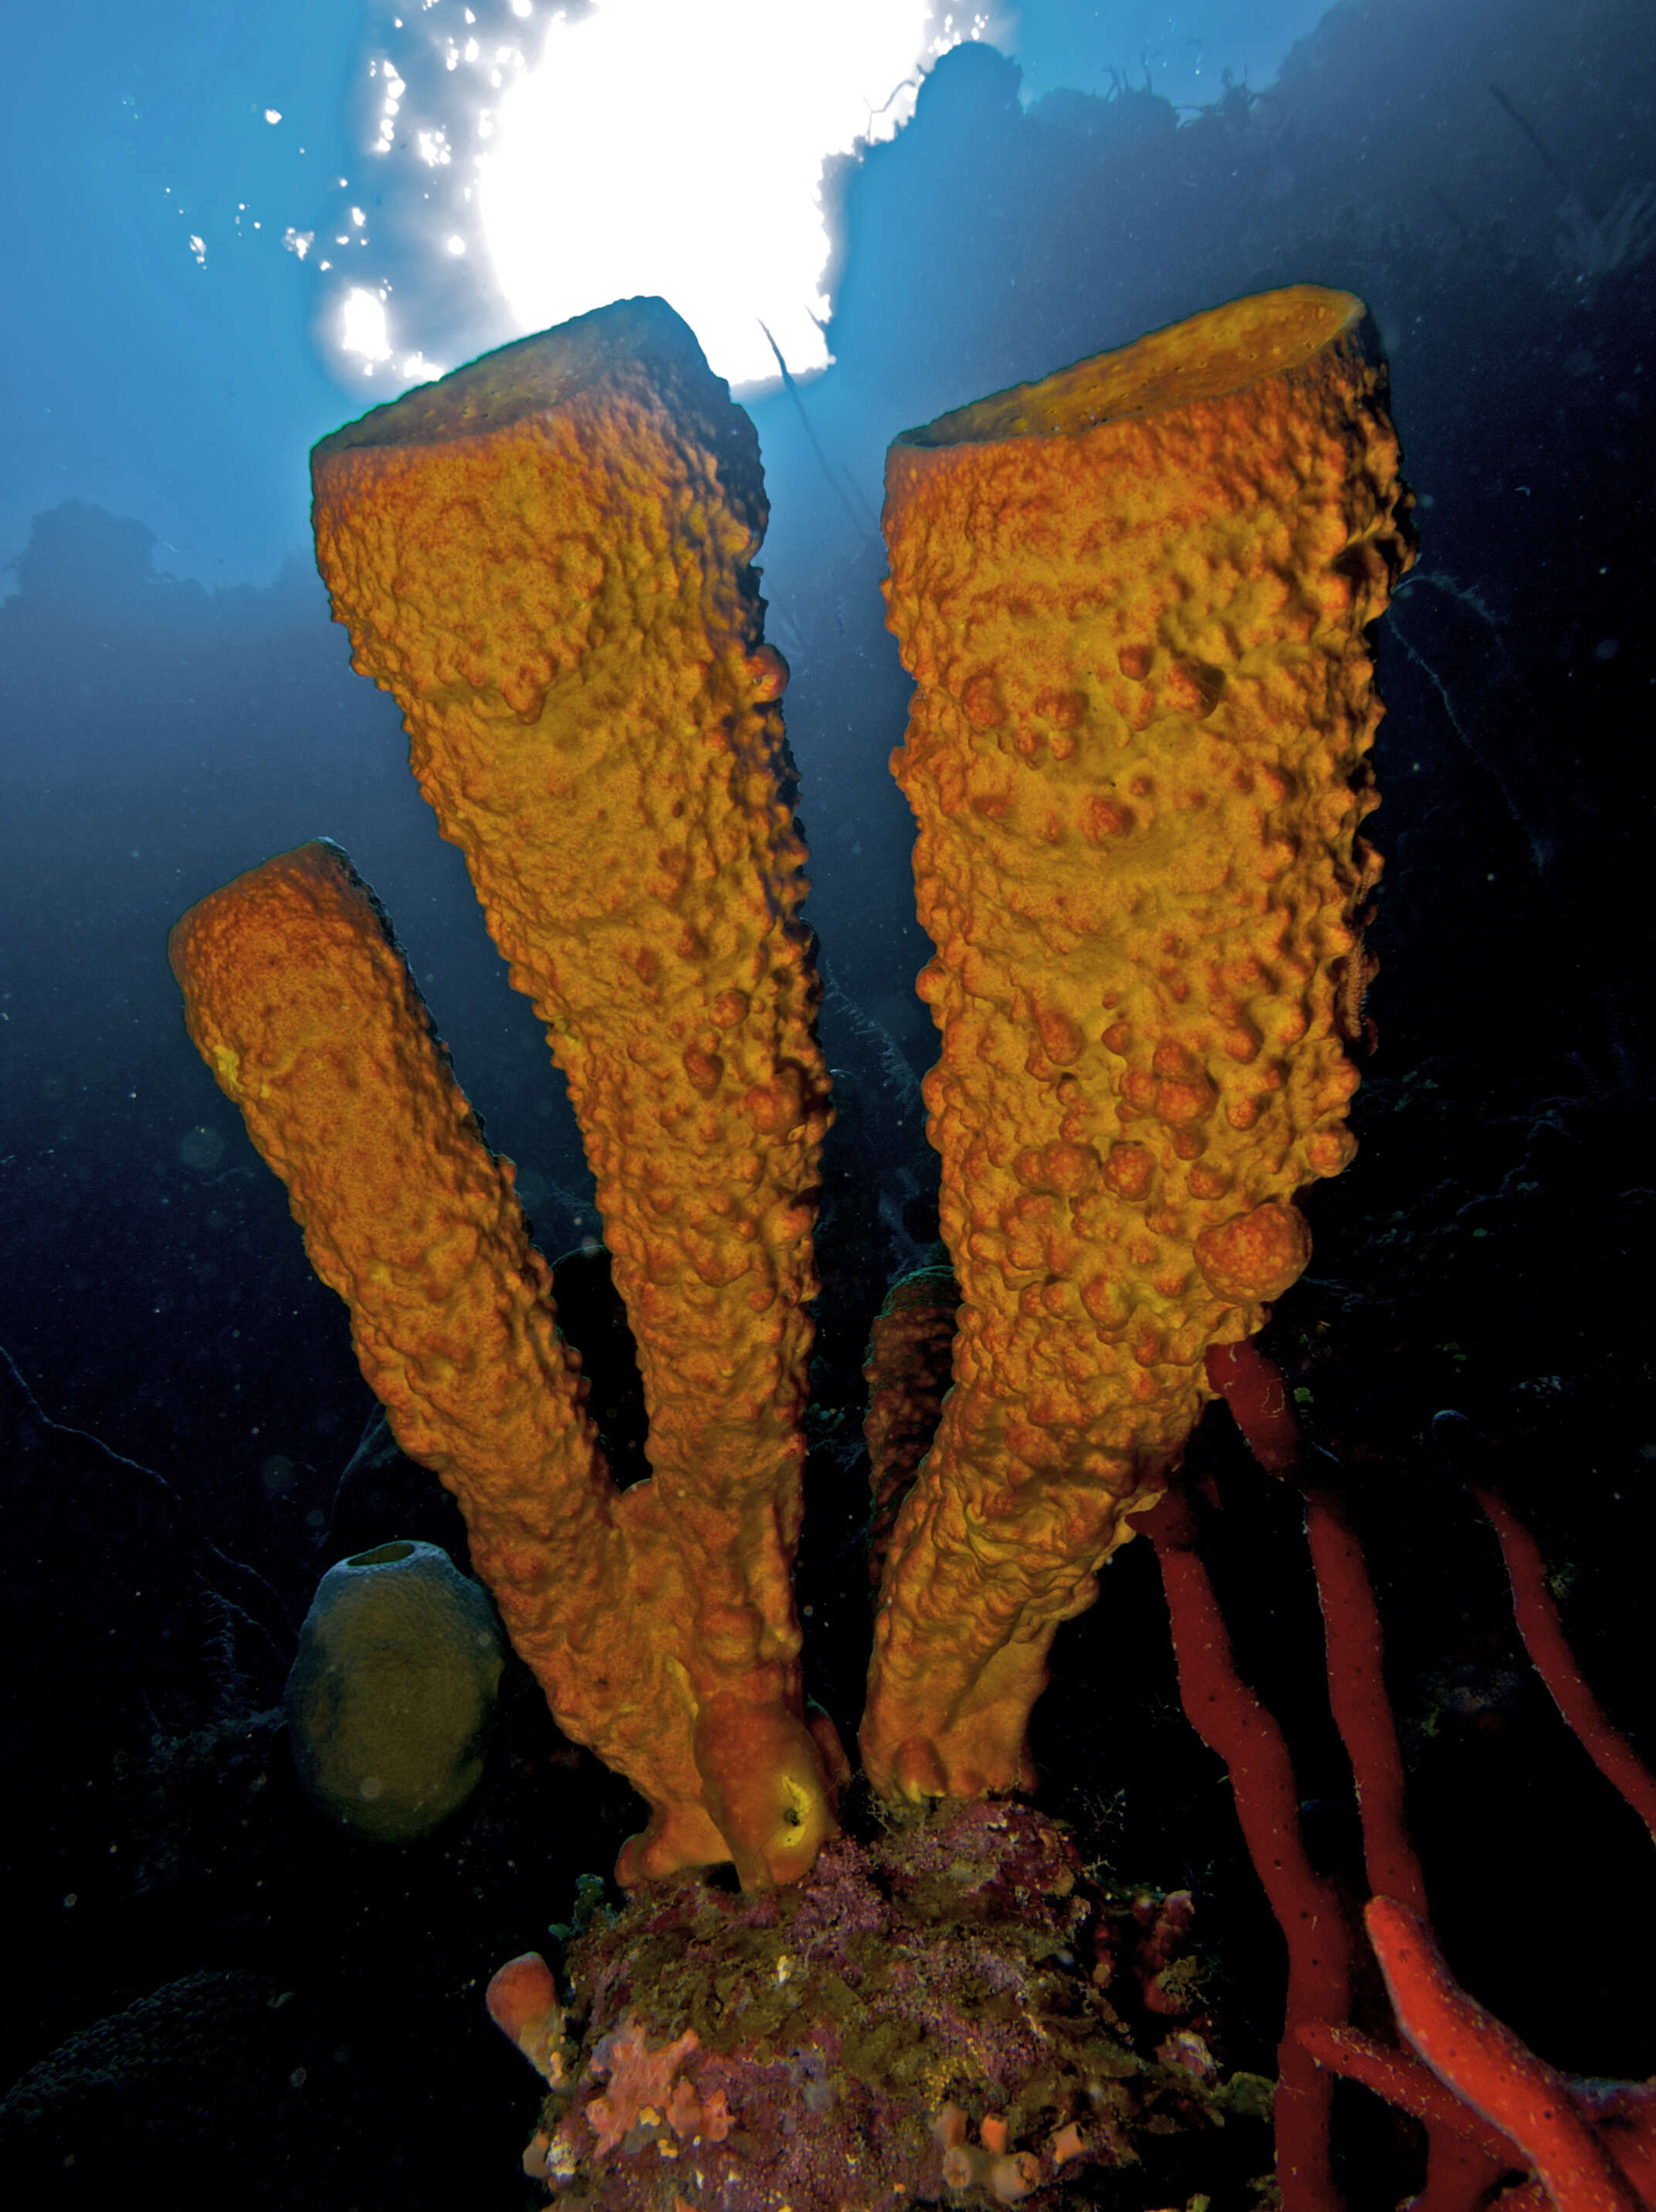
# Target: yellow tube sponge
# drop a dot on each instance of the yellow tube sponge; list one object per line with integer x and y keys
{"x": 1133, "y": 599}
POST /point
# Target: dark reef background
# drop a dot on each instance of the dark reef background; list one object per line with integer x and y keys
{"x": 224, "y": 1995}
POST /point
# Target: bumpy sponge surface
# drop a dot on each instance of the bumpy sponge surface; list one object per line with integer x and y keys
{"x": 1133, "y": 599}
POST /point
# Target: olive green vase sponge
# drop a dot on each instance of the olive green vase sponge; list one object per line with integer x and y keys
{"x": 391, "y": 1691}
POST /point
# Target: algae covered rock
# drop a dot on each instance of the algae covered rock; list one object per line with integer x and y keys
{"x": 392, "y": 1690}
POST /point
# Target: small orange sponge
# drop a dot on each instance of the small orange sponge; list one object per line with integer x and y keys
{"x": 910, "y": 1347}
{"x": 1133, "y": 598}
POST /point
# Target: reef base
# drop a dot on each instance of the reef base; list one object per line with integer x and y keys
{"x": 953, "y": 2012}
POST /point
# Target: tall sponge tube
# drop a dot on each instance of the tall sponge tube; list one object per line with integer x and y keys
{"x": 1133, "y": 599}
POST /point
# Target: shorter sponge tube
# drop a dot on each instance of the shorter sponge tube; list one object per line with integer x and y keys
{"x": 299, "y": 998}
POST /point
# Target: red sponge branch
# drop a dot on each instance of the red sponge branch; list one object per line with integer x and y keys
{"x": 1231, "y": 1720}
{"x": 1487, "y": 2102}
{"x": 1488, "y": 2068}
{"x": 1402, "y": 2081}
{"x": 1535, "y": 1611}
